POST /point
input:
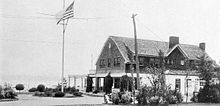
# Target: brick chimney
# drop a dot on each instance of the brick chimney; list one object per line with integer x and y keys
{"x": 202, "y": 46}
{"x": 173, "y": 40}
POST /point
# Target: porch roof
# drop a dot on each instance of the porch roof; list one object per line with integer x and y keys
{"x": 112, "y": 74}
{"x": 119, "y": 74}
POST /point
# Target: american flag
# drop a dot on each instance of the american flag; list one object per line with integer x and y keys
{"x": 68, "y": 13}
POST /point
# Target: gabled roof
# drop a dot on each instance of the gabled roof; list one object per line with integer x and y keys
{"x": 151, "y": 47}
{"x": 177, "y": 47}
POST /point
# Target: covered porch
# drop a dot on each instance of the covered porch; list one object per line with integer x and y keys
{"x": 99, "y": 80}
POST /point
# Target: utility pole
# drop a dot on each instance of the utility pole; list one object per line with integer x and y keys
{"x": 136, "y": 52}
{"x": 62, "y": 77}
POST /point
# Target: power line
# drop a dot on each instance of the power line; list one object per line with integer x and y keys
{"x": 140, "y": 21}
{"x": 26, "y": 17}
{"x": 52, "y": 17}
{"x": 29, "y": 41}
{"x": 149, "y": 29}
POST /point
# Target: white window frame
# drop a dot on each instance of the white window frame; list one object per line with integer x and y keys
{"x": 182, "y": 62}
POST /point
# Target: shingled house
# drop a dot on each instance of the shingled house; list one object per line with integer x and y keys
{"x": 115, "y": 58}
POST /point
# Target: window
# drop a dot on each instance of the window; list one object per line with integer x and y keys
{"x": 109, "y": 45}
{"x": 117, "y": 83}
{"x": 152, "y": 62}
{"x": 191, "y": 64}
{"x": 177, "y": 84}
{"x": 141, "y": 61}
{"x": 157, "y": 62}
{"x": 171, "y": 62}
{"x": 165, "y": 61}
{"x": 182, "y": 62}
{"x": 102, "y": 63}
{"x": 196, "y": 85}
{"x": 168, "y": 61}
{"x": 188, "y": 82}
{"x": 109, "y": 62}
{"x": 202, "y": 82}
{"x": 117, "y": 62}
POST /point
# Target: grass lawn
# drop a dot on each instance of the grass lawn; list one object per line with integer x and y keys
{"x": 196, "y": 104}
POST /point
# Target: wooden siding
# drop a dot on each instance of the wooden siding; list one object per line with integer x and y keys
{"x": 175, "y": 59}
{"x": 109, "y": 53}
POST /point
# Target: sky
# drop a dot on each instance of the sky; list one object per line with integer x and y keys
{"x": 31, "y": 42}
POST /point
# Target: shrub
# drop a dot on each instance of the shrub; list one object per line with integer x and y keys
{"x": 173, "y": 97}
{"x": 126, "y": 83}
{"x": 115, "y": 98}
{"x": 89, "y": 84}
{"x": 108, "y": 82}
{"x": 142, "y": 97}
{"x": 10, "y": 94}
{"x": 77, "y": 93}
{"x": 73, "y": 89}
{"x": 215, "y": 95}
{"x": 200, "y": 96}
{"x": 38, "y": 93}
{"x": 32, "y": 89}
{"x": 209, "y": 94}
{"x": 95, "y": 92}
{"x": 58, "y": 88}
{"x": 41, "y": 88}
{"x": 1, "y": 96}
{"x": 179, "y": 96}
{"x": 121, "y": 97}
{"x": 59, "y": 94}
{"x": 125, "y": 97}
{"x": 154, "y": 100}
{"x": 48, "y": 93}
{"x": 70, "y": 90}
{"x": 1, "y": 89}
{"x": 19, "y": 87}
{"x": 48, "y": 89}
{"x": 194, "y": 98}
{"x": 150, "y": 96}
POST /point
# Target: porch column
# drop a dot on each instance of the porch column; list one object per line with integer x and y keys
{"x": 82, "y": 82}
{"x": 74, "y": 81}
{"x": 69, "y": 81}
{"x": 113, "y": 86}
{"x": 97, "y": 83}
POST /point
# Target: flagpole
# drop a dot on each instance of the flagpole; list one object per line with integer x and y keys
{"x": 62, "y": 78}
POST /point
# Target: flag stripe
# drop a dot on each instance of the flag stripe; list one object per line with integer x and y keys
{"x": 68, "y": 13}
{"x": 64, "y": 18}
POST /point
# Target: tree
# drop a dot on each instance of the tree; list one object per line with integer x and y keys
{"x": 41, "y": 88}
{"x": 158, "y": 93}
{"x": 217, "y": 70}
{"x": 19, "y": 87}
{"x": 205, "y": 68}
{"x": 89, "y": 84}
{"x": 1, "y": 89}
{"x": 108, "y": 84}
{"x": 126, "y": 83}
